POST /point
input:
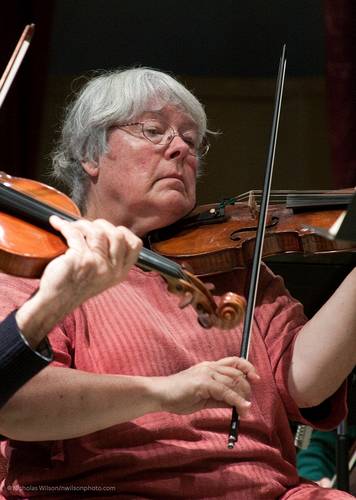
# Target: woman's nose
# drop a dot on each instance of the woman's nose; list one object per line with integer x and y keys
{"x": 177, "y": 147}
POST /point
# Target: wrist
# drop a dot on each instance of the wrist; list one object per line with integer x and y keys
{"x": 134, "y": 396}
{"x": 158, "y": 393}
{"x": 37, "y": 316}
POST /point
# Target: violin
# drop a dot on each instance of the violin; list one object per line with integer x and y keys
{"x": 218, "y": 238}
{"x": 28, "y": 242}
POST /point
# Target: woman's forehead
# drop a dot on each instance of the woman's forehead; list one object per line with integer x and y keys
{"x": 167, "y": 112}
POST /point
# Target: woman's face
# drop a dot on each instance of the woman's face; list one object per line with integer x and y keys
{"x": 143, "y": 185}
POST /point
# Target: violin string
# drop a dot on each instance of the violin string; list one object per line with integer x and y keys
{"x": 307, "y": 196}
{"x": 281, "y": 194}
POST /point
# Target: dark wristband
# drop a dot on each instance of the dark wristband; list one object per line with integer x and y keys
{"x": 18, "y": 361}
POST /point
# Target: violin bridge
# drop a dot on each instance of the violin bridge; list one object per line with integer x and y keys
{"x": 252, "y": 205}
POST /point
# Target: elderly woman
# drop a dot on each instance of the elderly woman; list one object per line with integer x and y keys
{"x": 113, "y": 415}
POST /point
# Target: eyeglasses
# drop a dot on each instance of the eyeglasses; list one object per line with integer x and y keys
{"x": 160, "y": 133}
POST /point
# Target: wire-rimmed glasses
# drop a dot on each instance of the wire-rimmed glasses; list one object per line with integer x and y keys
{"x": 161, "y": 133}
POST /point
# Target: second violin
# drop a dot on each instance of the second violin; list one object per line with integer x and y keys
{"x": 218, "y": 238}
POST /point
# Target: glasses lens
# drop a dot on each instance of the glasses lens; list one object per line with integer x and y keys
{"x": 154, "y": 131}
{"x": 159, "y": 132}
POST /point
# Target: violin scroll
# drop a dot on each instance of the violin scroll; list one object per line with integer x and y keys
{"x": 231, "y": 309}
{"x": 225, "y": 315}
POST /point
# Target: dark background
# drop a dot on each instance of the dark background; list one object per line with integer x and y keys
{"x": 227, "y": 53}
{"x": 187, "y": 37}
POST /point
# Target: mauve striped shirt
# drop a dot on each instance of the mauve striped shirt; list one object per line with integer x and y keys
{"x": 136, "y": 328}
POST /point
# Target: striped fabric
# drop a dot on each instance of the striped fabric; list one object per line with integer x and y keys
{"x": 136, "y": 328}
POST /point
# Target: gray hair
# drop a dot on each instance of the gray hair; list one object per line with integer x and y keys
{"x": 113, "y": 97}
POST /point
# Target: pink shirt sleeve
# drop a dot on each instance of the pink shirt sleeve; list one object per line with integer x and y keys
{"x": 14, "y": 291}
{"x": 279, "y": 318}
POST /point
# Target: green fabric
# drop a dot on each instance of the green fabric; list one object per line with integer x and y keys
{"x": 318, "y": 460}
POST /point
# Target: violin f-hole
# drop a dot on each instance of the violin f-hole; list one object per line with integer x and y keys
{"x": 234, "y": 236}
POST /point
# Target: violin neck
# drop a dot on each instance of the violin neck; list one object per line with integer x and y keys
{"x": 322, "y": 200}
{"x": 302, "y": 199}
{"x": 30, "y": 209}
{"x": 151, "y": 261}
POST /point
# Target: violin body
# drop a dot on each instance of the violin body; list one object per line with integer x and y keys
{"x": 25, "y": 247}
{"x": 220, "y": 247}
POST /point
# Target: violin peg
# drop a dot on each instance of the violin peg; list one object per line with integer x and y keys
{"x": 204, "y": 319}
{"x": 186, "y": 300}
{"x": 187, "y": 267}
{"x": 209, "y": 286}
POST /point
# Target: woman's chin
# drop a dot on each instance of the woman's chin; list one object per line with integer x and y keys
{"x": 175, "y": 203}
{"x": 168, "y": 218}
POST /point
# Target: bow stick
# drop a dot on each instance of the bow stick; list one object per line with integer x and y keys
{"x": 256, "y": 262}
{"x": 15, "y": 61}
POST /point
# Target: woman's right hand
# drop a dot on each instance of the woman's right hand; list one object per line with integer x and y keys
{"x": 210, "y": 384}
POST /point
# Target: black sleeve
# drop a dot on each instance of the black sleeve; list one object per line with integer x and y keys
{"x": 18, "y": 361}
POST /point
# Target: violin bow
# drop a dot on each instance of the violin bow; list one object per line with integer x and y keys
{"x": 15, "y": 61}
{"x": 256, "y": 262}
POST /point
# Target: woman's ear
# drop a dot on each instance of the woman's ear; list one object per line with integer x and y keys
{"x": 91, "y": 168}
